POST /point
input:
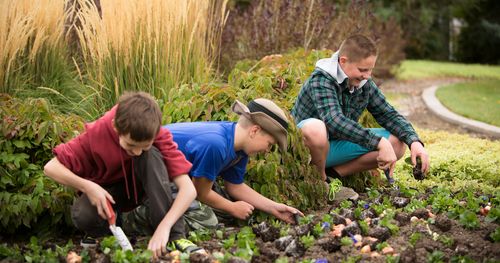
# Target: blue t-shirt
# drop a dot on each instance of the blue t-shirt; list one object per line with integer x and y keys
{"x": 209, "y": 146}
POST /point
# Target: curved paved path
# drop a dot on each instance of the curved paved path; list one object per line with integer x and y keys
{"x": 430, "y": 100}
{"x": 410, "y": 103}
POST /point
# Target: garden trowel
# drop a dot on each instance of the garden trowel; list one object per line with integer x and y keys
{"x": 117, "y": 231}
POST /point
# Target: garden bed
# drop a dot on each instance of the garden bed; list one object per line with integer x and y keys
{"x": 385, "y": 225}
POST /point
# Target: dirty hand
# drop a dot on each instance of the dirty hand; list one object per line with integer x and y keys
{"x": 285, "y": 213}
{"x": 159, "y": 240}
{"x": 241, "y": 209}
{"x": 386, "y": 156}
{"x": 98, "y": 197}
{"x": 418, "y": 150}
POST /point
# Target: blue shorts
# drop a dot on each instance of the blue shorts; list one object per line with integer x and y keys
{"x": 342, "y": 151}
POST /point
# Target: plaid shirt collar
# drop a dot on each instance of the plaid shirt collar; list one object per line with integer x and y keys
{"x": 333, "y": 68}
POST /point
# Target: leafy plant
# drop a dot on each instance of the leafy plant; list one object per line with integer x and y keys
{"x": 28, "y": 132}
{"x": 469, "y": 220}
{"x": 495, "y": 235}
{"x": 493, "y": 215}
{"x": 446, "y": 240}
{"x": 414, "y": 237}
{"x": 346, "y": 241}
{"x": 436, "y": 257}
{"x": 307, "y": 240}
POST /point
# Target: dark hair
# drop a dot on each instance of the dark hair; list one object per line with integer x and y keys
{"x": 139, "y": 115}
{"x": 358, "y": 47}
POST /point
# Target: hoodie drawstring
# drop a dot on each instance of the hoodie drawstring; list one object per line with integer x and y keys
{"x": 126, "y": 181}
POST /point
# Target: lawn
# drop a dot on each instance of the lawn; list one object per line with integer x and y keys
{"x": 424, "y": 69}
{"x": 479, "y": 100}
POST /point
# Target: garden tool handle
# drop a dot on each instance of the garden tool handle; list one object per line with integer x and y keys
{"x": 112, "y": 219}
{"x": 387, "y": 173}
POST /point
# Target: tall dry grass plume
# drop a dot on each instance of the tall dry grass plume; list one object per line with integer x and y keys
{"x": 31, "y": 43}
{"x": 150, "y": 45}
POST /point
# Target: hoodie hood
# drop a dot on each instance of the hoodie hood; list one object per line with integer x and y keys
{"x": 332, "y": 67}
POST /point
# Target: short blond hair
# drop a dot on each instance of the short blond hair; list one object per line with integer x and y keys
{"x": 357, "y": 48}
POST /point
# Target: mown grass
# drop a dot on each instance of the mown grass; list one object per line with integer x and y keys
{"x": 478, "y": 97}
{"x": 479, "y": 100}
{"x": 426, "y": 69}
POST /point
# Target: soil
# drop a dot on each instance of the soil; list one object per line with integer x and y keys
{"x": 464, "y": 242}
{"x": 413, "y": 107}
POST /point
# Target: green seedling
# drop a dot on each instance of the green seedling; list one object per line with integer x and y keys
{"x": 495, "y": 236}
{"x": 461, "y": 259}
{"x": 346, "y": 241}
{"x": 436, "y": 257}
{"x": 447, "y": 241}
{"x": 381, "y": 246}
{"x": 493, "y": 215}
{"x": 414, "y": 238}
{"x": 345, "y": 204}
{"x": 469, "y": 220}
{"x": 307, "y": 240}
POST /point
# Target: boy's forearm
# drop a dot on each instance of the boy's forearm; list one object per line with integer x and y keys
{"x": 59, "y": 173}
{"x": 215, "y": 200}
{"x": 185, "y": 196}
{"x": 243, "y": 192}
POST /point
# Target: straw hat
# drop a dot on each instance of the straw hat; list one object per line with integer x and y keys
{"x": 268, "y": 116}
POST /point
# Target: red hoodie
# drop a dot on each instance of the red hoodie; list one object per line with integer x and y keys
{"x": 96, "y": 154}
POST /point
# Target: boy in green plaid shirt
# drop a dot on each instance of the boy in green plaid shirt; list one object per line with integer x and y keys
{"x": 329, "y": 106}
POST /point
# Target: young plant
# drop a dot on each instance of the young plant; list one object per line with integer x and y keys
{"x": 469, "y": 220}
{"x": 346, "y": 241}
{"x": 318, "y": 230}
{"x": 307, "y": 240}
{"x": 447, "y": 241}
{"x": 436, "y": 257}
{"x": 381, "y": 245}
{"x": 414, "y": 237}
{"x": 345, "y": 204}
{"x": 496, "y": 235}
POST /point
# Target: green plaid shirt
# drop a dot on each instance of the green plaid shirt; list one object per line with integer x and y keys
{"x": 321, "y": 97}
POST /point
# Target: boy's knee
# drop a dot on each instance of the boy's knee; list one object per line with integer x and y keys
{"x": 315, "y": 133}
{"x": 398, "y": 146}
{"x": 86, "y": 218}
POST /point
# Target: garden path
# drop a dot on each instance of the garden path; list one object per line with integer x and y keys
{"x": 411, "y": 105}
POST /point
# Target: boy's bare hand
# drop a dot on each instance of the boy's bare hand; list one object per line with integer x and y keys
{"x": 386, "y": 156}
{"x": 158, "y": 242}
{"x": 241, "y": 209}
{"x": 98, "y": 197}
{"x": 418, "y": 150}
{"x": 285, "y": 213}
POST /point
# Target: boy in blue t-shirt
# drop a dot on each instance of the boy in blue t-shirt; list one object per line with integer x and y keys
{"x": 222, "y": 149}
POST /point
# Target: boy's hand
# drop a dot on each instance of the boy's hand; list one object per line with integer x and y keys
{"x": 241, "y": 209}
{"x": 386, "y": 156}
{"x": 98, "y": 197}
{"x": 285, "y": 213}
{"x": 159, "y": 240}
{"x": 418, "y": 150}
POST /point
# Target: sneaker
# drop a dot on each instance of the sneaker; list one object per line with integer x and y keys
{"x": 346, "y": 193}
{"x": 88, "y": 242}
{"x": 186, "y": 246}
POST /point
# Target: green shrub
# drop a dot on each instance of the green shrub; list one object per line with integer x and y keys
{"x": 29, "y": 130}
{"x": 458, "y": 162}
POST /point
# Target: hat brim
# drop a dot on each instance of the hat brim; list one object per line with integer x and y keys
{"x": 267, "y": 123}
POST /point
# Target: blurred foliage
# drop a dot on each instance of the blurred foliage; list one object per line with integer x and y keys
{"x": 29, "y": 131}
{"x": 260, "y": 27}
{"x": 480, "y": 37}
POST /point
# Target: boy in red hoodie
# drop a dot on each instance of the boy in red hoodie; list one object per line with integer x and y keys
{"x": 124, "y": 157}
